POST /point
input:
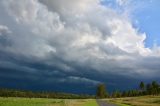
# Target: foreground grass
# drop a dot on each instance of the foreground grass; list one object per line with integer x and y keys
{"x": 91, "y": 103}
{"x": 46, "y": 102}
{"x": 81, "y": 102}
{"x": 137, "y": 101}
{"x": 29, "y": 102}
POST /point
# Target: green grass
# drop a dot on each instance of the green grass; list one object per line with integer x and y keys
{"x": 120, "y": 104}
{"x": 81, "y": 102}
{"x": 91, "y": 103}
{"x": 46, "y": 102}
{"x": 30, "y": 102}
{"x": 137, "y": 101}
{"x": 129, "y": 101}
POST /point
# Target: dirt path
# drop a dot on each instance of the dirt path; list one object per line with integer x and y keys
{"x": 104, "y": 103}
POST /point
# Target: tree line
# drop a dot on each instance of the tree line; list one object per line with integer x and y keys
{"x": 31, "y": 94}
{"x": 152, "y": 88}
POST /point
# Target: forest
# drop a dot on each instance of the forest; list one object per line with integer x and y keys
{"x": 152, "y": 88}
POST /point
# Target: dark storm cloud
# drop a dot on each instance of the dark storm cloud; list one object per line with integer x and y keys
{"x": 74, "y": 43}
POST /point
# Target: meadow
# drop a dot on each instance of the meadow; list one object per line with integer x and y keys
{"x": 127, "y": 101}
{"x": 136, "y": 101}
{"x": 12, "y": 101}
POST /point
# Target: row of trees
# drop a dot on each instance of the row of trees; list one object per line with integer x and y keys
{"x": 30, "y": 94}
{"x": 144, "y": 89}
{"x": 150, "y": 88}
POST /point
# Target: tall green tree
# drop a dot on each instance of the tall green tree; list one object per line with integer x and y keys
{"x": 155, "y": 88}
{"x": 101, "y": 91}
{"x": 116, "y": 94}
{"x": 142, "y": 85}
{"x": 155, "y": 84}
{"x": 149, "y": 89}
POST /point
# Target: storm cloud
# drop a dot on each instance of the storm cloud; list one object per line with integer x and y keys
{"x": 82, "y": 42}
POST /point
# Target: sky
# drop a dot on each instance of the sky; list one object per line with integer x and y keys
{"x": 74, "y": 45}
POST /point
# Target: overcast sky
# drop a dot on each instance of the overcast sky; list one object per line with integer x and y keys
{"x": 73, "y": 45}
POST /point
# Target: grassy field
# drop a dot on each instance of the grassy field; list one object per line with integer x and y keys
{"x": 137, "y": 101}
{"x": 46, "y": 102}
{"x": 129, "y": 101}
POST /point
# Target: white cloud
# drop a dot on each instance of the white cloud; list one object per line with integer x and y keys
{"x": 82, "y": 32}
{"x": 34, "y": 15}
{"x": 122, "y": 2}
{"x": 4, "y": 30}
{"x": 70, "y": 6}
{"x": 74, "y": 79}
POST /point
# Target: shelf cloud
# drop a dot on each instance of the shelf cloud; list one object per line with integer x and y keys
{"x": 68, "y": 41}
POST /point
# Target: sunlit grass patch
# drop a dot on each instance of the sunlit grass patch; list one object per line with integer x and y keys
{"x": 137, "y": 101}
{"x": 91, "y": 103}
{"x": 29, "y": 102}
{"x": 13, "y": 101}
{"x": 81, "y": 102}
